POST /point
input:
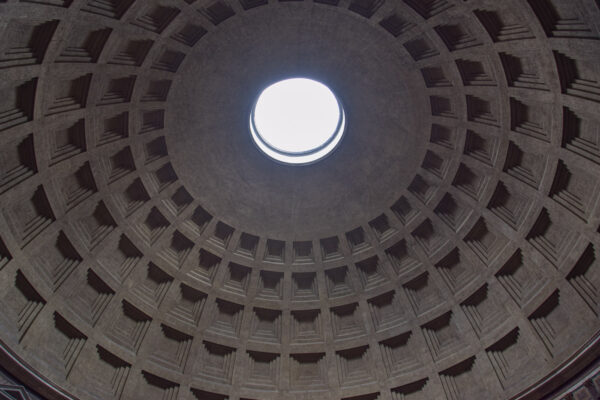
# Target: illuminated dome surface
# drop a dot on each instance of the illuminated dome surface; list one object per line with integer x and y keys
{"x": 447, "y": 248}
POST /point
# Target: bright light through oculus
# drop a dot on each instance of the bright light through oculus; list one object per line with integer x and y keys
{"x": 297, "y": 121}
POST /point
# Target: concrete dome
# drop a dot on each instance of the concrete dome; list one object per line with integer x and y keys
{"x": 447, "y": 249}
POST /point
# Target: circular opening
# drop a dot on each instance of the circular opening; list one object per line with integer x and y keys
{"x": 297, "y": 121}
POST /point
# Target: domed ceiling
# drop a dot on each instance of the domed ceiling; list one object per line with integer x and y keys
{"x": 447, "y": 249}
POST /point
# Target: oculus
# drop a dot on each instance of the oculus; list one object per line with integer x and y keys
{"x": 297, "y": 121}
